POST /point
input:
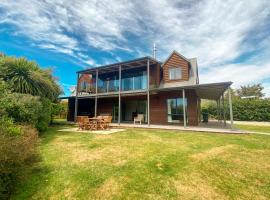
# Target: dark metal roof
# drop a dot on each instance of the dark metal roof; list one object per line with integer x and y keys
{"x": 211, "y": 91}
{"x": 137, "y": 61}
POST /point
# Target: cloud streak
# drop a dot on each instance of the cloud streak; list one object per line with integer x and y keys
{"x": 229, "y": 38}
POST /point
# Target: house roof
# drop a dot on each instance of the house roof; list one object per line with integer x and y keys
{"x": 129, "y": 63}
{"x": 175, "y": 52}
{"x": 211, "y": 91}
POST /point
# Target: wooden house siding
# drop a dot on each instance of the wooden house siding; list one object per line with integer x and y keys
{"x": 154, "y": 76}
{"x": 87, "y": 78}
{"x": 158, "y": 107}
{"x": 176, "y": 61}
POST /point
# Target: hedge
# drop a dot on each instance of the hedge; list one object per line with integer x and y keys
{"x": 244, "y": 109}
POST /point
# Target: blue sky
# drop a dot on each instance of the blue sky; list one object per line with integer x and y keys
{"x": 231, "y": 39}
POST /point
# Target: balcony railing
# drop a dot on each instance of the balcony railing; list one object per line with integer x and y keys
{"x": 108, "y": 86}
{"x": 130, "y": 80}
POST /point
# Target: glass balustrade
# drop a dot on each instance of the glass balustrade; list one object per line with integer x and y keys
{"x": 131, "y": 80}
{"x": 134, "y": 81}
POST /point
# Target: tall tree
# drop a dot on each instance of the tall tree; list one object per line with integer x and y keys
{"x": 251, "y": 90}
{"x": 27, "y": 77}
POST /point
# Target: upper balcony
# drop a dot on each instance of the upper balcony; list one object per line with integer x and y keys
{"x": 130, "y": 76}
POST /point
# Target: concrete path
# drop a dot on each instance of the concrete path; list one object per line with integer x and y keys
{"x": 189, "y": 128}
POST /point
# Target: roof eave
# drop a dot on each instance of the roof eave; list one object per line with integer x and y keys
{"x": 120, "y": 63}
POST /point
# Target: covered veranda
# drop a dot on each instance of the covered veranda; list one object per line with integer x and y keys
{"x": 214, "y": 92}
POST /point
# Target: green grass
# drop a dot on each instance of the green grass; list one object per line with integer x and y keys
{"x": 254, "y": 128}
{"x": 149, "y": 164}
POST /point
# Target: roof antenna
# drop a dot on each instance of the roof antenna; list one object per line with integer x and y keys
{"x": 154, "y": 50}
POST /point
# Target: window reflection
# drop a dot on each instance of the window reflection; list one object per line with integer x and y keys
{"x": 175, "y": 110}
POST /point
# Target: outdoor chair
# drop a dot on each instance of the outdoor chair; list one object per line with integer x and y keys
{"x": 139, "y": 118}
{"x": 81, "y": 121}
{"x": 107, "y": 121}
{"x": 101, "y": 122}
{"x": 93, "y": 125}
{"x": 86, "y": 123}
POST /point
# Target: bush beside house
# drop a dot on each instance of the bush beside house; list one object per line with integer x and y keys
{"x": 243, "y": 109}
{"x": 27, "y": 95}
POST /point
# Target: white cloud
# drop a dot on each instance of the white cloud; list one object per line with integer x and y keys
{"x": 216, "y": 32}
{"x": 240, "y": 74}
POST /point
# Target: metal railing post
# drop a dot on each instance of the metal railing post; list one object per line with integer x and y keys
{"x": 96, "y": 92}
{"x": 119, "y": 94}
{"x": 76, "y": 99}
{"x": 148, "y": 92}
{"x": 231, "y": 110}
{"x": 184, "y": 107}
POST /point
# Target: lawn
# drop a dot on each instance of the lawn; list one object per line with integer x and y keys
{"x": 149, "y": 164}
{"x": 254, "y": 128}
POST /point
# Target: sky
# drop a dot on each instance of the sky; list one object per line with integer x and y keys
{"x": 230, "y": 39}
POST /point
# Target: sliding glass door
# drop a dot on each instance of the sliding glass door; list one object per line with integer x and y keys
{"x": 175, "y": 110}
{"x": 115, "y": 112}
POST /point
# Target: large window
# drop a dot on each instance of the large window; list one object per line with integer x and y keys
{"x": 175, "y": 73}
{"x": 175, "y": 110}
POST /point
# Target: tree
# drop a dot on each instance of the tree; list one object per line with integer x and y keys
{"x": 23, "y": 76}
{"x": 251, "y": 90}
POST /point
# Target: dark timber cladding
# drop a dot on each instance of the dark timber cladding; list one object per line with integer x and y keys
{"x": 158, "y": 106}
{"x": 176, "y": 61}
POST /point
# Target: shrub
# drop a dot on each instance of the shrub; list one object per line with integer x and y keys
{"x": 44, "y": 117}
{"x": 27, "y": 109}
{"x": 18, "y": 150}
{"x": 59, "y": 110}
{"x": 8, "y": 127}
{"x": 251, "y": 110}
{"x": 244, "y": 109}
{"x": 23, "y": 108}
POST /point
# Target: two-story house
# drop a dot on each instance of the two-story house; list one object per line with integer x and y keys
{"x": 165, "y": 93}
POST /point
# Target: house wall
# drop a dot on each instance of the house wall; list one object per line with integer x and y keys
{"x": 176, "y": 61}
{"x": 105, "y": 105}
{"x": 155, "y": 75}
{"x": 158, "y": 107}
{"x": 71, "y": 109}
{"x": 85, "y": 77}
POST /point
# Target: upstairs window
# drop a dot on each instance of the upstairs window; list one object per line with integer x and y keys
{"x": 175, "y": 73}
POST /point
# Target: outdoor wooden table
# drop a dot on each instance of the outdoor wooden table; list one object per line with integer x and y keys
{"x": 96, "y": 123}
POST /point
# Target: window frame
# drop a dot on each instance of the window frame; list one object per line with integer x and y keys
{"x": 178, "y": 101}
{"x": 172, "y": 75}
